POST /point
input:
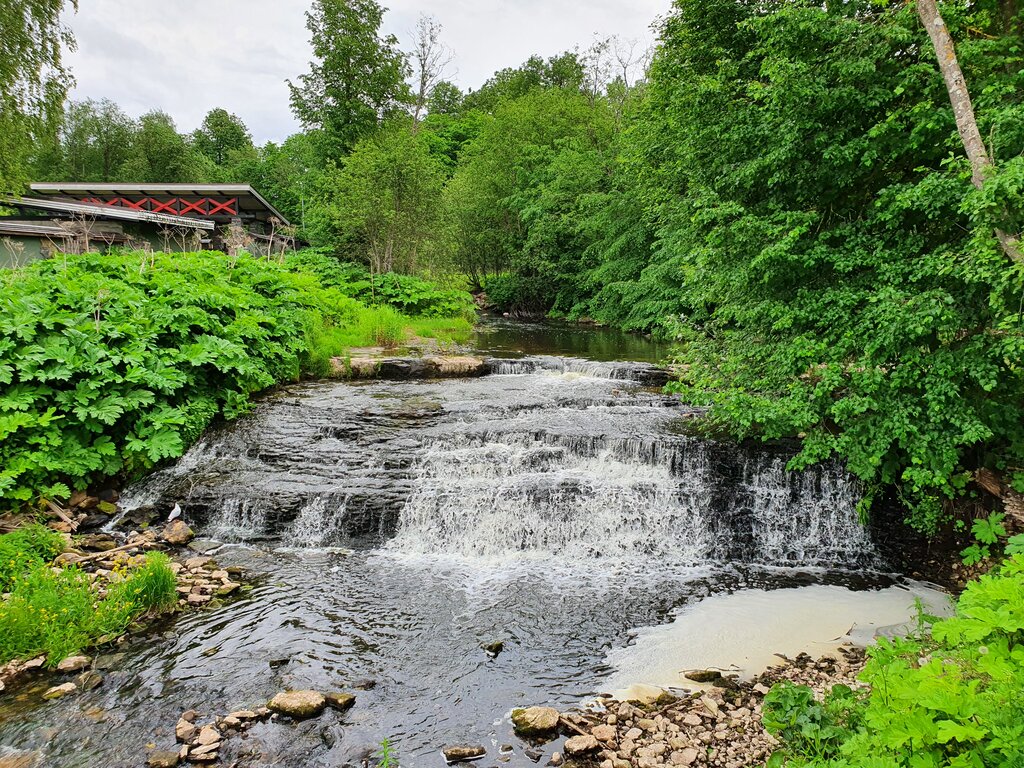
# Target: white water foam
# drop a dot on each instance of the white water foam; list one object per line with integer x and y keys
{"x": 742, "y": 632}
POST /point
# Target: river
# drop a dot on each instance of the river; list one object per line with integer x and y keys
{"x": 556, "y": 505}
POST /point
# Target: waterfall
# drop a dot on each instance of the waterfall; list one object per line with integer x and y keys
{"x": 546, "y": 458}
{"x": 690, "y": 502}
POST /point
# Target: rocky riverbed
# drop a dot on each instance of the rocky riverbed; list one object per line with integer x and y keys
{"x": 718, "y": 725}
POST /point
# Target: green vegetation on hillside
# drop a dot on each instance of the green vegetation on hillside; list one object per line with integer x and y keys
{"x": 112, "y": 363}
{"x": 953, "y": 696}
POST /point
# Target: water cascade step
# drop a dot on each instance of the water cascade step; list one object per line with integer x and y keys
{"x": 544, "y": 457}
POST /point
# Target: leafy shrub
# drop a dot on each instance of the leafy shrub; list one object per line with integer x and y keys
{"x": 951, "y": 697}
{"x": 405, "y": 293}
{"x": 111, "y": 363}
{"x": 25, "y": 548}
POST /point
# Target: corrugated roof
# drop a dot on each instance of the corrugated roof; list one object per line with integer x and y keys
{"x": 106, "y": 212}
{"x": 171, "y": 190}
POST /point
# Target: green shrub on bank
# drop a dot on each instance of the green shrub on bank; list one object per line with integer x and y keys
{"x": 111, "y": 363}
{"x": 952, "y": 697}
{"x": 407, "y": 294}
{"x": 59, "y": 612}
{"x": 25, "y": 548}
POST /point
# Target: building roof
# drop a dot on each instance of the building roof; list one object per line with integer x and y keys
{"x": 49, "y": 230}
{"x": 101, "y": 211}
{"x": 249, "y": 200}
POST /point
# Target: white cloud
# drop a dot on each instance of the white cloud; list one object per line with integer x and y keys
{"x": 188, "y": 56}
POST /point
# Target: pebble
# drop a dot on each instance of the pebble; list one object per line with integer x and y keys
{"x": 457, "y": 753}
{"x": 60, "y": 690}
{"x": 74, "y": 664}
{"x": 162, "y": 759}
{"x": 298, "y": 704}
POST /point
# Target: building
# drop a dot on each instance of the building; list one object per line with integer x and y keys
{"x": 73, "y": 217}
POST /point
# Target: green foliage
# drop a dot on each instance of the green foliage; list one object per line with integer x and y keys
{"x": 61, "y": 613}
{"x": 841, "y": 273}
{"x": 33, "y": 81}
{"x": 357, "y": 76}
{"x": 951, "y": 697}
{"x": 24, "y": 549}
{"x": 987, "y": 531}
{"x": 110, "y": 364}
{"x": 388, "y": 758}
{"x": 408, "y": 294}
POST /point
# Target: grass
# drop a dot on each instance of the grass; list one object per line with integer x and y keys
{"x": 377, "y": 327}
{"x": 59, "y": 612}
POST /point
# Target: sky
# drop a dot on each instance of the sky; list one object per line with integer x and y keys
{"x": 187, "y": 56}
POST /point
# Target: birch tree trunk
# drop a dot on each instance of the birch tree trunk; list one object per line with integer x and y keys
{"x": 963, "y": 110}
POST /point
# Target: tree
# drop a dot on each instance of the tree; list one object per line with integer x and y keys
{"x": 33, "y": 80}
{"x": 357, "y": 79}
{"x": 92, "y": 142}
{"x": 221, "y": 134}
{"x": 562, "y": 71}
{"x": 385, "y": 199}
{"x": 445, "y": 99}
{"x": 963, "y": 109}
{"x": 431, "y": 58}
{"x": 160, "y": 154}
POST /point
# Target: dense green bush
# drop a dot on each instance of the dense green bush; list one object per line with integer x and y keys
{"x": 408, "y": 294}
{"x": 953, "y": 696}
{"x": 112, "y": 363}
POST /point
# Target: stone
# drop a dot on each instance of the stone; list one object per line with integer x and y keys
{"x": 74, "y": 664}
{"x": 198, "y": 599}
{"x": 556, "y": 759}
{"x": 686, "y": 756}
{"x": 208, "y": 734}
{"x": 107, "y": 507}
{"x": 227, "y": 588}
{"x": 97, "y": 542}
{"x": 89, "y": 681}
{"x": 230, "y": 722}
{"x": 110, "y": 494}
{"x": 633, "y": 734}
{"x": 581, "y": 745}
{"x": 184, "y": 730}
{"x": 298, "y": 704}
{"x": 692, "y": 720}
{"x": 703, "y": 675}
{"x": 162, "y": 759}
{"x": 60, "y": 690}
{"x": 340, "y": 701}
{"x": 194, "y": 563}
{"x": 457, "y": 753}
{"x": 535, "y": 722}
{"x": 243, "y": 714}
{"x": 710, "y": 705}
{"x": 603, "y": 732}
{"x": 493, "y": 649}
{"x": 177, "y": 533}
{"x": 646, "y": 724}
{"x": 204, "y": 749}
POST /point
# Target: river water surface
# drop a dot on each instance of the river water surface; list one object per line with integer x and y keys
{"x": 556, "y": 505}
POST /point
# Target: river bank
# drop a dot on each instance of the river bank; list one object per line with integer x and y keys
{"x": 720, "y": 725}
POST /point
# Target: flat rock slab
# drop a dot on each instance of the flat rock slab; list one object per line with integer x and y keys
{"x": 429, "y": 367}
{"x": 340, "y": 701}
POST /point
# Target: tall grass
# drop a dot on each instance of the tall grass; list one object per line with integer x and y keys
{"x": 59, "y": 612}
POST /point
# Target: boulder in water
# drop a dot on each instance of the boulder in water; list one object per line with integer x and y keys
{"x": 298, "y": 704}
{"x": 340, "y": 701}
{"x": 535, "y": 722}
{"x": 177, "y": 533}
{"x": 162, "y": 759}
{"x": 493, "y": 649}
{"x": 702, "y": 675}
{"x": 60, "y": 690}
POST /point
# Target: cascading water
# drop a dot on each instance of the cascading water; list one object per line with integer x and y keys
{"x": 395, "y": 526}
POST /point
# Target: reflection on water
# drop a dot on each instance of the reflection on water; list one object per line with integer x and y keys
{"x": 501, "y": 337}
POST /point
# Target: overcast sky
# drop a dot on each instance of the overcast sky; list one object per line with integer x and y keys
{"x": 187, "y": 56}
